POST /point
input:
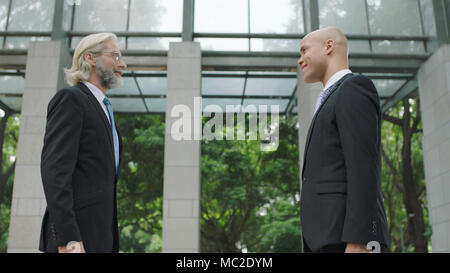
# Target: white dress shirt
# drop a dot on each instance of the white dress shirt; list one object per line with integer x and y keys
{"x": 334, "y": 79}
{"x": 98, "y": 94}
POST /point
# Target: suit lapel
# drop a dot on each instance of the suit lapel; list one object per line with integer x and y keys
{"x": 100, "y": 111}
{"x": 311, "y": 127}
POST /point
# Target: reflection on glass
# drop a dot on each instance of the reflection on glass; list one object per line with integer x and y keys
{"x": 270, "y": 87}
{"x": 156, "y": 15}
{"x": 4, "y": 4}
{"x": 281, "y": 16}
{"x": 220, "y": 16}
{"x": 153, "y": 85}
{"x": 357, "y": 46}
{"x": 275, "y": 45}
{"x": 222, "y": 86}
{"x": 234, "y": 105}
{"x": 98, "y": 15}
{"x": 156, "y": 105}
{"x": 14, "y": 103}
{"x": 22, "y": 42}
{"x": 384, "y": 17}
{"x": 34, "y": 15}
{"x": 405, "y": 47}
{"x": 223, "y": 44}
{"x": 11, "y": 84}
{"x": 349, "y": 15}
{"x": 151, "y": 43}
{"x": 130, "y": 105}
{"x": 387, "y": 88}
{"x": 129, "y": 87}
{"x": 281, "y": 103}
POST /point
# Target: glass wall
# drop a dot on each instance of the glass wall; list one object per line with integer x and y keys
{"x": 23, "y": 15}
{"x": 249, "y": 17}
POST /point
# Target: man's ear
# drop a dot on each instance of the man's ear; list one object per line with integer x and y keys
{"x": 89, "y": 58}
{"x": 330, "y": 46}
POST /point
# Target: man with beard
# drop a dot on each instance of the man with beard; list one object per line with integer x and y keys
{"x": 81, "y": 154}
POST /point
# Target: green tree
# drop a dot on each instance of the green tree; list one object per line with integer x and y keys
{"x": 9, "y": 129}
{"x": 403, "y": 178}
{"x": 140, "y": 187}
{"x": 249, "y": 198}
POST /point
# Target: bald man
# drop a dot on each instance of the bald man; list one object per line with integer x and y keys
{"x": 341, "y": 201}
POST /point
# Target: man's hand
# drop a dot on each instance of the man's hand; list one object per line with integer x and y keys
{"x": 354, "y": 248}
{"x": 72, "y": 247}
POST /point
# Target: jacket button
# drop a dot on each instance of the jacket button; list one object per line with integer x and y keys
{"x": 304, "y": 179}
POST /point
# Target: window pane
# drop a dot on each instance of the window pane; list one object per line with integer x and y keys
{"x": 31, "y": 15}
{"x": 429, "y": 25}
{"x": 223, "y": 86}
{"x": 223, "y": 44}
{"x": 387, "y": 88}
{"x": 394, "y": 17}
{"x": 221, "y": 16}
{"x": 348, "y": 15}
{"x": 151, "y": 43}
{"x": 4, "y": 4}
{"x": 156, "y": 15}
{"x": 1, "y": 42}
{"x": 128, "y": 105}
{"x": 282, "y": 104}
{"x": 275, "y": 45}
{"x": 156, "y": 105}
{"x": 11, "y": 84}
{"x": 22, "y": 42}
{"x": 153, "y": 85}
{"x": 13, "y": 102}
{"x": 359, "y": 46}
{"x": 129, "y": 87}
{"x": 97, "y": 15}
{"x": 233, "y": 104}
{"x": 270, "y": 87}
{"x": 281, "y": 16}
{"x": 405, "y": 47}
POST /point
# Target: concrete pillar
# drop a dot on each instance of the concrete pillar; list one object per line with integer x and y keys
{"x": 181, "y": 207}
{"x": 44, "y": 76}
{"x": 306, "y": 95}
{"x": 434, "y": 91}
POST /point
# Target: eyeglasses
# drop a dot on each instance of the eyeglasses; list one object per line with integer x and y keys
{"x": 116, "y": 55}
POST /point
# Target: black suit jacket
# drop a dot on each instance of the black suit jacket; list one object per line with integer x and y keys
{"x": 341, "y": 199}
{"x": 78, "y": 174}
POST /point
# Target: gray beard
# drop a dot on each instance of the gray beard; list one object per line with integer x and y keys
{"x": 107, "y": 77}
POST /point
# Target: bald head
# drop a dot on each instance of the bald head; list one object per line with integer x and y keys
{"x": 331, "y": 34}
{"x": 323, "y": 53}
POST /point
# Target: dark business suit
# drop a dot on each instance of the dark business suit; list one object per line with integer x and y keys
{"x": 341, "y": 199}
{"x": 78, "y": 174}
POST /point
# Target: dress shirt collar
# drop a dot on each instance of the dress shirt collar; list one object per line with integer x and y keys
{"x": 96, "y": 91}
{"x": 336, "y": 77}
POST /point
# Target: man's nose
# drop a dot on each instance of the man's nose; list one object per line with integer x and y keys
{"x": 300, "y": 61}
{"x": 122, "y": 64}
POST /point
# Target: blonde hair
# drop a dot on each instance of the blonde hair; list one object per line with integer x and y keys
{"x": 81, "y": 70}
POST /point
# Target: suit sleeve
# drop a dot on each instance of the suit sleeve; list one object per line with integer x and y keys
{"x": 58, "y": 161}
{"x": 357, "y": 116}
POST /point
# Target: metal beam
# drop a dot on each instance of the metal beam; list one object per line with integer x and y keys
{"x": 58, "y": 32}
{"x": 188, "y": 20}
{"x": 442, "y": 20}
{"x": 408, "y": 88}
